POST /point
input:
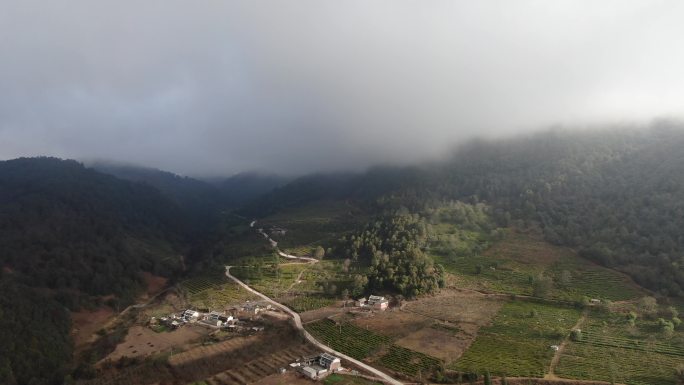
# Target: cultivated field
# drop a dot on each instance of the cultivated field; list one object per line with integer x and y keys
{"x": 510, "y": 265}
{"x": 518, "y": 341}
{"x": 313, "y": 224}
{"x": 347, "y": 338}
{"x": 610, "y": 349}
{"x": 259, "y": 369}
{"x": 409, "y": 362}
{"x": 214, "y": 291}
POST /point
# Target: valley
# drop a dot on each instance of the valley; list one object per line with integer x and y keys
{"x": 489, "y": 318}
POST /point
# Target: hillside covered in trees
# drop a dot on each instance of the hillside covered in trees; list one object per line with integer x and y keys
{"x": 615, "y": 195}
{"x": 69, "y": 236}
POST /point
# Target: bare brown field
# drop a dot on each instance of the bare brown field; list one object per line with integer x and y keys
{"x": 142, "y": 341}
{"x": 324, "y": 312}
{"x": 457, "y": 307}
{"x": 289, "y": 378}
{"x": 86, "y": 323}
{"x": 233, "y": 344}
{"x": 439, "y": 343}
{"x": 395, "y": 324}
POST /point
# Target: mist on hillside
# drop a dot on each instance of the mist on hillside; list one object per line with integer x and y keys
{"x": 309, "y": 86}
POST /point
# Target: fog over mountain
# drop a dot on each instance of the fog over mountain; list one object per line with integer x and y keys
{"x": 220, "y": 87}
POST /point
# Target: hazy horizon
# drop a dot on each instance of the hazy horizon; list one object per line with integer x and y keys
{"x": 311, "y": 86}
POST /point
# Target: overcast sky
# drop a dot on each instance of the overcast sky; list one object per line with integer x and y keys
{"x": 216, "y": 87}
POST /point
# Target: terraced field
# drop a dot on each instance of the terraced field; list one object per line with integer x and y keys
{"x": 213, "y": 292}
{"x": 519, "y": 339}
{"x": 232, "y": 345}
{"x": 409, "y": 362}
{"x": 510, "y": 265}
{"x": 259, "y": 368}
{"x": 610, "y": 350}
{"x": 587, "y": 279}
{"x": 273, "y": 282}
{"x": 347, "y": 338}
{"x": 304, "y": 303}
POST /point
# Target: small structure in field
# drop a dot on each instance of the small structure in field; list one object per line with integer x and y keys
{"x": 361, "y": 302}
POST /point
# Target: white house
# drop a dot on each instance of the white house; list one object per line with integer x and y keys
{"x": 378, "y": 302}
{"x": 190, "y": 315}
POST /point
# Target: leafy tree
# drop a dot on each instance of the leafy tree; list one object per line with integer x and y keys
{"x": 631, "y": 318}
{"x": 576, "y": 335}
{"x": 542, "y": 286}
{"x": 648, "y": 305}
{"x": 319, "y": 252}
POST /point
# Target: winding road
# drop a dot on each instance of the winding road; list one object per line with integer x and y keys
{"x": 298, "y": 324}
{"x": 298, "y": 320}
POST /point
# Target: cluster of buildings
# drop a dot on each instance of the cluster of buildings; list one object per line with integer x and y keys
{"x": 317, "y": 367}
{"x": 213, "y": 319}
{"x": 227, "y": 319}
{"x": 373, "y": 302}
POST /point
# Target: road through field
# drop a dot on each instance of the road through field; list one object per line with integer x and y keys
{"x": 275, "y": 246}
{"x": 551, "y": 375}
{"x": 298, "y": 324}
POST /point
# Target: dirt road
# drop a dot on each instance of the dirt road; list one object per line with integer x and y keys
{"x": 551, "y": 375}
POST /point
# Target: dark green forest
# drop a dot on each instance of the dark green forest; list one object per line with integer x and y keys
{"x": 393, "y": 246}
{"x": 68, "y": 236}
{"x": 71, "y": 235}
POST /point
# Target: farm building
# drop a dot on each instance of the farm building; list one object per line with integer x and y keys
{"x": 378, "y": 302}
{"x": 255, "y": 307}
{"x": 190, "y": 315}
{"x": 361, "y": 302}
{"x": 317, "y": 367}
{"x": 329, "y": 362}
{"x": 308, "y": 372}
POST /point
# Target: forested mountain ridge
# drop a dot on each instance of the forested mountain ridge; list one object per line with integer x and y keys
{"x": 70, "y": 235}
{"x": 64, "y": 226}
{"x": 242, "y": 188}
{"x": 201, "y": 202}
{"x": 615, "y": 195}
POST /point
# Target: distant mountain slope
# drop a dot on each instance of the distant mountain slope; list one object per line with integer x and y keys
{"x": 68, "y": 233}
{"x": 245, "y": 187}
{"x": 64, "y": 226}
{"x": 616, "y": 195}
{"x": 202, "y": 202}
